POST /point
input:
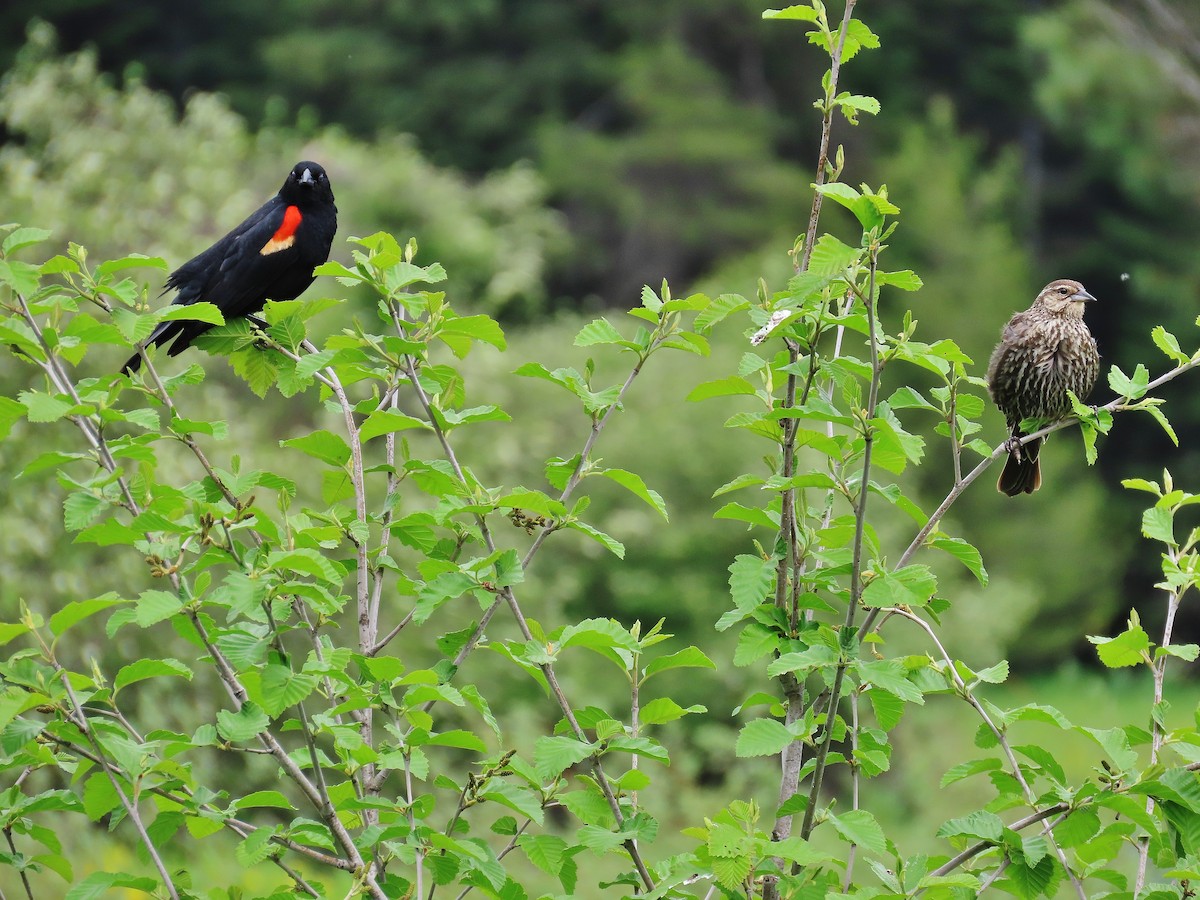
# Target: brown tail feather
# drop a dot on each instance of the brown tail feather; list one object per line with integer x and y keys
{"x": 1022, "y": 473}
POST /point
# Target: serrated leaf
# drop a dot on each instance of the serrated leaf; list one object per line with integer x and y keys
{"x": 193, "y": 312}
{"x": 611, "y": 543}
{"x": 688, "y": 657}
{"x": 255, "y": 847}
{"x": 1126, "y": 649}
{"x": 762, "y": 737}
{"x": 967, "y": 769}
{"x": 664, "y": 709}
{"x": 41, "y": 407}
{"x": 965, "y": 553}
{"x": 553, "y": 755}
{"x": 150, "y": 668}
{"x": 77, "y": 610}
{"x": 387, "y": 421}
{"x": 734, "y": 385}
{"x": 281, "y": 688}
{"x": 751, "y": 578}
{"x": 984, "y": 825}
{"x": 635, "y": 485}
{"x": 860, "y": 827}
{"x": 23, "y": 237}
{"x": 598, "y": 331}
{"x": 243, "y": 725}
{"x": 323, "y": 445}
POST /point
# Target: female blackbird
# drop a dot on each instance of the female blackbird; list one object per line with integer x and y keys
{"x": 270, "y": 256}
{"x": 1044, "y": 352}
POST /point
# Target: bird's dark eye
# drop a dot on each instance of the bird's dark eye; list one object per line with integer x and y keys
{"x": 1063, "y": 290}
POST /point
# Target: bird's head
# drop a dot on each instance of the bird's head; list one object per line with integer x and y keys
{"x": 1064, "y": 298}
{"x": 306, "y": 182}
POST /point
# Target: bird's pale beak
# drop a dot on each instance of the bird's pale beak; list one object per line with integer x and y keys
{"x": 306, "y": 177}
{"x": 1081, "y": 296}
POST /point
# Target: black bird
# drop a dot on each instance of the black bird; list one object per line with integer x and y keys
{"x": 270, "y": 256}
{"x": 1044, "y": 352}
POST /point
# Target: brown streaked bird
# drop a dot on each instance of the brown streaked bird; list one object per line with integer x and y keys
{"x": 1044, "y": 352}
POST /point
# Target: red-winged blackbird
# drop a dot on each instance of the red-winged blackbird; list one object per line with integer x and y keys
{"x": 270, "y": 256}
{"x": 1044, "y": 352}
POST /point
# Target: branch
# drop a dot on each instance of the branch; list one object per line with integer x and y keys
{"x": 1117, "y": 405}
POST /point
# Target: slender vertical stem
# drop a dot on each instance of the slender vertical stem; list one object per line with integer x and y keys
{"x": 1159, "y": 668}
{"x": 792, "y": 757}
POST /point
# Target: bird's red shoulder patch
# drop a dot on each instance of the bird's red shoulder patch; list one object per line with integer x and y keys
{"x": 285, "y": 235}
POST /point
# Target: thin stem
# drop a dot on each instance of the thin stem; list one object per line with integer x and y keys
{"x": 860, "y": 522}
{"x": 412, "y": 824}
{"x": 1001, "y": 738}
{"x": 1116, "y": 405}
{"x": 507, "y": 595}
{"x": 1159, "y": 669}
{"x": 24, "y": 875}
{"x": 792, "y": 757}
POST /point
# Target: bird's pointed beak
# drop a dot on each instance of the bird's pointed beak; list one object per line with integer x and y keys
{"x": 1083, "y": 297}
{"x": 306, "y": 177}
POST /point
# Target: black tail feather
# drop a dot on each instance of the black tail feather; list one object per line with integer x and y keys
{"x": 1022, "y": 472}
{"x": 163, "y": 333}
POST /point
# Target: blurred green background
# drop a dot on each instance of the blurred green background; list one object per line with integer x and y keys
{"x": 557, "y": 156}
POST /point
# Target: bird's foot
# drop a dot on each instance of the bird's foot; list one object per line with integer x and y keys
{"x": 1013, "y": 447}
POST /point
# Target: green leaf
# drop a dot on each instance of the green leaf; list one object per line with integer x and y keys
{"x": 515, "y": 797}
{"x": 11, "y": 412}
{"x": 479, "y": 328}
{"x": 664, "y": 709}
{"x": 193, "y": 312}
{"x": 1115, "y": 743}
{"x": 967, "y": 769}
{"x": 731, "y": 871}
{"x": 1167, "y": 343}
{"x": 755, "y": 642}
{"x": 983, "y": 825}
{"x": 387, "y": 421}
{"x": 155, "y": 606}
{"x": 262, "y": 800}
{"x": 282, "y": 688}
{"x": 724, "y": 387}
{"x": 98, "y": 885}
{"x": 762, "y": 737}
{"x": 889, "y": 675}
{"x": 634, "y": 484}
{"x": 323, "y": 445}
{"x": 42, "y": 407}
{"x": 1158, "y": 524}
{"x": 1031, "y": 881}
{"x": 965, "y": 553}
{"x": 1126, "y": 649}
{"x": 831, "y": 257}
{"x": 23, "y": 237}
{"x": 860, "y": 827}
{"x": 688, "y": 657}
{"x": 554, "y": 755}
{"x": 751, "y": 579}
{"x": 546, "y": 851}
{"x": 78, "y": 610}
{"x": 463, "y": 740}
{"x": 599, "y": 331}
{"x": 150, "y": 668}
{"x": 307, "y": 562}
{"x": 243, "y": 725}
{"x": 80, "y": 509}
{"x": 254, "y": 848}
{"x": 798, "y": 13}
{"x": 911, "y": 586}
{"x": 613, "y": 545}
